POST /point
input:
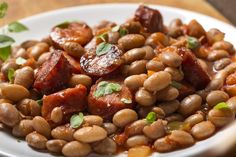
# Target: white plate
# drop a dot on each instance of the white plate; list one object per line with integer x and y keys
{"x": 40, "y": 25}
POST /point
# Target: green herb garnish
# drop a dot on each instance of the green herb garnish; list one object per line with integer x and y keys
{"x": 103, "y": 48}
{"x": 192, "y": 43}
{"x": 176, "y": 84}
{"x": 20, "y": 61}
{"x": 151, "y": 117}
{"x": 40, "y": 102}
{"x": 63, "y": 24}
{"x": 119, "y": 29}
{"x": 10, "y": 75}
{"x": 76, "y": 120}
{"x": 126, "y": 101}
{"x": 221, "y": 106}
{"x": 3, "y": 9}
{"x": 177, "y": 125}
{"x": 105, "y": 88}
{"x": 16, "y": 27}
{"x": 115, "y": 29}
{"x": 103, "y": 36}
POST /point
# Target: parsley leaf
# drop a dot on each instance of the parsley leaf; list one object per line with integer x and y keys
{"x": 3, "y": 9}
{"x": 123, "y": 32}
{"x": 5, "y": 52}
{"x": 151, "y": 117}
{"x": 105, "y": 88}
{"x": 192, "y": 43}
{"x": 115, "y": 29}
{"x": 103, "y": 36}
{"x": 76, "y": 120}
{"x": 63, "y": 24}
{"x": 103, "y": 48}
{"x": 5, "y": 41}
{"x": 10, "y": 74}
{"x": 40, "y": 102}
{"x": 20, "y": 61}
{"x": 16, "y": 27}
{"x": 221, "y": 106}
{"x": 175, "y": 84}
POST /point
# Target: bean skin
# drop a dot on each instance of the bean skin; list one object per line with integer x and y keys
{"x": 110, "y": 128}
{"x": 63, "y": 132}
{"x": 181, "y": 137}
{"x": 232, "y": 104}
{"x": 194, "y": 119}
{"x": 137, "y": 67}
{"x": 171, "y": 59}
{"x": 36, "y": 140}
{"x": 55, "y": 145}
{"x": 137, "y": 140}
{"x": 124, "y": 117}
{"x": 144, "y": 97}
{"x": 131, "y": 41}
{"x": 76, "y": 149}
{"x": 203, "y": 130}
{"x": 167, "y": 94}
{"x": 155, "y": 65}
{"x": 106, "y": 146}
{"x": 163, "y": 145}
{"x": 215, "y": 97}
{"x": 221, "y": 118}
{"x": 23, "y": 128}
{"x": 9, "y": 115}
{"x": 155, "y": 130}
{"x": 41, "y": 126}
{"x": 169, "y": 107}
{"x": 135, "y": 81}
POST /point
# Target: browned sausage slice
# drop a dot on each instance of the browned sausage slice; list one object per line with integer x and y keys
{"x": 54, "y": 74}
{"x": 107, "y": 105}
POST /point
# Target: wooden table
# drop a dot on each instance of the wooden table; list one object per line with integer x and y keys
{"x": 22, "y": 8}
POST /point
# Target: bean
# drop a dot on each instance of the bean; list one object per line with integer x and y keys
{"x": 174, "y": 117}
{"x": 38, "y": 49}
{"x": 23, "y": 128}
{"x": 190, "y": 104}
{"x": 113, "y": 37}
{"x": 36, "y": 140}
{"x": 195, "y": 29}
{"x": 64, "y": 132}
{"x": 221, "y": 118}
{"x": 224, "y": 45}
{"x": 9, "y": 64}
{"x": 139, "y": 151}
{"x": 137, "y": 67}
{"x": 155, "y": 130}
{"x": 157, "y": 81}
{"x": 5, "y": 101}
{"x": 9, "y": 115}
{"x": 48, "y": 40}
{"x": 57, "y": 115}
{"x": 124, "y": 117}
{"x": 217, "y": 54}
{"x": 134, "y": 82}
{"x": 29, "y": 107}
{"x": 137, "y": 140}
{"x": 176, "y": 74}
{"x": 203, "y": 130}
{"x": 215, "y": 97}
{"x": 143, "y": 111}
{"x": 74, "y": 49}
{"x": 181, "y": 137}
{"x": 134, "y": 54}
{"x": 110, "y": 128}
{"x": 76, "y": 149}
{"x": 43, "y": 57}
{"x": 125, "y": 70}
{"x": 131, "y": 41}
{"x": 132, "y": 26}
{"x": 90, "y": 134}
{"x": 222, "y": 63}
{"x": 214, "y": 35}
{"x": 106, "y": 146}
{"x": 80, "y": 79}
{"x": 41, "y": 126}
{"x": 93, "y": 120}
{"x": 232, "y": 104}
{"x": 157, "y": 39}
{"x": 136, "y": 127}
{"x": 154, "y": 65}
{"x": 171, "y": 59}
{"x": 21, "y": 52}
{"x": 29, "y": 43}
{"x": 163, "y": 145}
{"x": 14, "y": 92}
{"x": 214, "y": 84}
{"x": 203, "y": 64}
{"x": 24, "y": 77}
{"x": 169, "y": 107}
{"x": 167, "y": 94}
{"x": 55, "y": 145}
{"x": 194, "y": 119}
{"x": 175, "y": 29}
{"x": 160, "y": 113}
{"x": 144, "y": 97}
{"x": 149, "y": 52}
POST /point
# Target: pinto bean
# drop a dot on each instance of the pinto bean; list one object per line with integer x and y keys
{"x": 106, "y": 146}
{"x": 176, "y": 74}
{"x": 113, "y": 37}
{"x": 29, "y": 107}
{"x": 90, "y": 134}
{"x": 155, "y": 130}
{"x": 9, "y": 115}
{"x": 23, "y": 128}
{"x": 221, "y": 118}
{"x": 74, "y": 49}
{"x": 77, "y": 149}
{"x": 157, "y": 81}
{"x": 222, "y": 63}
{"x": 181, "y": 137}
{"x": 190, "y": 104}
{"x": 131, "y": 41}
{"x": 38, "y": 49}
{"x": 135, "y": 81}
{"x": 194, "y": 119}
{"x": 175, "y": 28}
{"x": 217, "y": 54}
{"x": 24, "y": 77}
{"x": 55, "y": 145}
{"x": 124, "y": 117}
{"x": 134, "y": 54}
{"x": 132, "y": 26}
{"x": 155, "y": 65}
{"x": 214, "y": 35}
{"x": 157, "y": 39}
{"x": 64, "y": 132}
{"x": 169, "y": 107}
{"x": 21, "y": 52}
{"x": 41, "y": 126}
{"x": 136, "y": 127}
{"x": 80, "y": 79}
{"x": 36, "y": 140}
{"x": 203, "y": 130}
{"x": 159, "y": 112}
{"x": 224, "y": 45}
{"x": 163, "y": 145}
{"x": 174, "y": 117}
{"x": 29, "y": 43}
{"x": 43, "y": 57}
{"x": 10, "y": 64}
{"x": 144, "y": 97}
{"x": 93, "y": 120}
{"x": 232, "y": 104}
{"x": 110, "y": 128}
{"x": 195, "y": 29}
{"x": 215, "y": 97}
{"x": 137, "y": 140}
{"x": 171, "y": 59}
{"x": 137, "y": 67}
{"x": 57, "y": 115}
{"x": 167, "y": 94}
{"x": 149, "y": 52}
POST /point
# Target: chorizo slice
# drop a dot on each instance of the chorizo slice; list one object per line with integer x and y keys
{"x": 71, "y": 100}
{"x": 107, "y": 105}
{"x": 101, "y": 65}
{"x": 77, "y": 32}
{"x": 151, "y": 19}
{"x": 193, "y": 72}
{"x": 75, "y": 65}
{"x": 54, "y": 74}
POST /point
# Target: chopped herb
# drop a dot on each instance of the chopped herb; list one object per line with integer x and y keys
{"x": 115, "y": 29}
{"x": 105, "y": 88}
{"x": 192, "y": 43}
{"x": 126, "y": 101}
{"x": 10, "y": 74}
{"x": 76, "y": 120}
{"x": 177, "y": 125}
{"x": 123, "y": 32}
{"x": 63, "y": 24}
{"x": 40, "y": 102}
{"x": 5, "y": 52}
{"x": 16, "y": 27}
{"x": 103, "y": 36}
{"x": 5, "y": 41}
{"x": 221, "y": 106}
{"x": 176, "y": 84}
{"x": 20, "y": 61}
{"x": 103, "y": 48}
{"x": 3, "y": 9}
{"x": 151, "y": 117}
{"x": 18, "y": 140}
